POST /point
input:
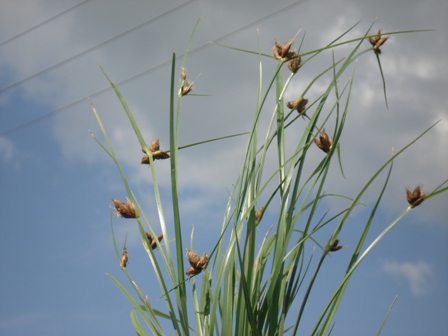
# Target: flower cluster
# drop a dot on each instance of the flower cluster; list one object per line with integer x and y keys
{"x": 152, "y": 241}
{"x": 415, "y": 197}
{"x": 299, "y": 104}
{"x": 188, "y": 85}
{"x": 259, "y": 214}
{"x": 124, "y": 258}
{"x": 324, "y": 142}
{"x": 377, "y": 41}
{"x": 334, "y": 247}
{"x": 125, "y": 210}
{"x": 197, "y": 263}
{"x": 156, "y": 153}
{"x": 283, "y": 52}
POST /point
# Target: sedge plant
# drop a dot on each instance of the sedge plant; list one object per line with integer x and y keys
{"x": 251, "y": 281}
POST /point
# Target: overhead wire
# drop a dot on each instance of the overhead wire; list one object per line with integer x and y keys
{"x": 141, "y": 74}
{"x": 43, "y": 23}
{"x": 102, "y": 44}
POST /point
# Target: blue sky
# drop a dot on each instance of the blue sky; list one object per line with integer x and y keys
{"x": 56, "y": 182}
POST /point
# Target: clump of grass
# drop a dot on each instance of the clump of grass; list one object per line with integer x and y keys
{"x": 248, "y": 283}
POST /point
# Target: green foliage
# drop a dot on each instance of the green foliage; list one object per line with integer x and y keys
{"x": 249, "y": 288}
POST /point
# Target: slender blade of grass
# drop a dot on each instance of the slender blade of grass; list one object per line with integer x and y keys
{"x": 387, "y": 316}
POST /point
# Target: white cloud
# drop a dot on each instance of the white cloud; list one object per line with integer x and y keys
{"x": 417, "y": 274}
{"x": 231, "y": 77}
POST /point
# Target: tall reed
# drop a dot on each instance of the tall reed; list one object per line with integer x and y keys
{"x": 249, "y": 283}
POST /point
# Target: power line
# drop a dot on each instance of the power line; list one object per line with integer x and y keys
{"x": 72, "y": 58}
{"x": 43, "y": 23}
{"x": 161, "y": 65}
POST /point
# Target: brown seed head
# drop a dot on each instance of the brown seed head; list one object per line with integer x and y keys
{"x": 149, "y": 236}
{"x": 186, "y": 88}
{"x": 125, "y": 210}
{"x": 377, "y": 41}
{"x": 285, "y": 48}
{"x": 145, "y": 159}
{"x": 193, "y": 271}
{"x": 382, "y": 41}
{"x": 325, "y": 143}
{"x": 295, "y": 63}
{"x": 282, "y": 52}
{"x": 334, "y": 247}
{"x": 197, "y": 264}
{"x": 157, "y": 154}
{"x": 155, "y": 145}
{"x": 259, "y": 214}
{"x": 193, "y": 258}
{"x": 183, "y": 74}
{"x": 152, "y": 241}
{"x": 202, "y": 263}
{"x": 415, "y": 197}
{"x": 276, "y": 49}
{"x": 299, "y": 104}
{"x": 374, "y": 39}
{"x": 124, "y": 258}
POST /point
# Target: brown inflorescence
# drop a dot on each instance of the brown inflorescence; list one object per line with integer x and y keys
{"x": 197, "y": 263}
{"x": 282, "y": 52}
{"x": 334, "y": 247}
{"x": 186, "y": 88}
{"x": 183, "y": 74}
{"x": 377, "y": 41}
{"x": 152, "y": 241}
{"x": 124, "y": 258}
{"x": 324, "y": 142}
{"x": 415, "y": 197}
{"x": 259, "y": 214}
{"x": 295, "y": 63}
{"x": 157, "y": 154}
{"x": 125, "y": 210}
{"x": 299, "y": 104}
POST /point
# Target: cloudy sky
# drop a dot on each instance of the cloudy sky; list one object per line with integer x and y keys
{"x": 56, "y": 182}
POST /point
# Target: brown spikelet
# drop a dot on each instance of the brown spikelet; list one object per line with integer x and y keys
{"x": 183, "y": 74}
{"x": 259, "y": 214}
{"x": 377, "y": 41}
{"x": 203, "y": 261}
{"x": 193, "y": 257}
{"x": 157, "y": 154}
{"x": 145, "y": 159}
{"x": 125, "y": 210}
{"x": 374, "y": 39}
{"x": 286, "y": 47}
{"x": 295, "y": 63}
{"x": 324, "y": 142}
{"x": 282, "y": 51}
{"x": 193, "y": 271}
{"x": 381, "y": 41}
{"x": 334, "y": 247}
{"x": 415, "y": 197}
{"x": 152, "y": 241}
{"x": 124, "y": 258}
{"x": 186, "y": 88}
{"x": 299, "y": 104}
{"x": 276, "y": 49}
{"x": 155, "y": 145}
{"x": 197, "y": 264}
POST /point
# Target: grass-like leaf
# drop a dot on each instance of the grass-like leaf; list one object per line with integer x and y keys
{"x": 254, "y": 274}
